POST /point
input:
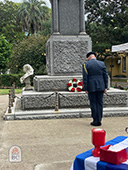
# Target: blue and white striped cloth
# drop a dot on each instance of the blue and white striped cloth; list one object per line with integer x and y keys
{"x": 86, "y": 161}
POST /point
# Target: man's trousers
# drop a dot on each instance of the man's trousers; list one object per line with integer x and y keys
{"x": 96, "y": 105}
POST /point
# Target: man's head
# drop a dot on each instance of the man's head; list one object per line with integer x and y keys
{"x": 91, "y": 55}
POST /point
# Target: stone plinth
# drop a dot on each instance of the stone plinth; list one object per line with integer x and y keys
{"x": 32, "y": 100}
{"x": 52, "y": 83}
{"x": 73, "y": 100}
{"x": 42, "y": 100}
{"x": 66, "y": 54}
{"x": 118, "y": 99}
{"x": 80, "y": 100}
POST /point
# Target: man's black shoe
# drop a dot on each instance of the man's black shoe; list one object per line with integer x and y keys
{"x": 95, "y": 124}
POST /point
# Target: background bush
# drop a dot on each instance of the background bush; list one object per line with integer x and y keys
{"x": 31, "y": 51}
{"x": 6, "y": 80}
{"x": 5, "y": 52}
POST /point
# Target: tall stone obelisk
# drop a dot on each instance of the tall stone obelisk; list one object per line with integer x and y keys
{"x": 68, "y": 45}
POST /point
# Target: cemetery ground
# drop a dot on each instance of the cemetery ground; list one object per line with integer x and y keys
{"x": 50, "y": 144}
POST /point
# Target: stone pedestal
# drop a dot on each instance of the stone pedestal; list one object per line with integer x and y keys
{"x": 52, "y": 83}
{"x": 66, "y": 54}
{"x": 47, "y": 100}
{"x": 28, "y": 84}
{"x": 32, "y": 100}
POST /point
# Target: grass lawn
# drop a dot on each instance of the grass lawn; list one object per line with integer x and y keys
{"x": 6, "y": 91}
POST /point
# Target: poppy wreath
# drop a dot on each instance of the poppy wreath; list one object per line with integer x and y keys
{"x": 75, "y": 85}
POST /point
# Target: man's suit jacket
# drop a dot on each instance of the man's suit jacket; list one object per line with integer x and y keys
{"x": 95, "y": 77}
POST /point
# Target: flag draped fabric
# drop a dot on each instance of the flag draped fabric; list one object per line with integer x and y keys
{"x": 86, "y": 161}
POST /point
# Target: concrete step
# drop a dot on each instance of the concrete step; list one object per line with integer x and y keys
{"x": 63, "y": 113}
{"x": 71, "y": 105}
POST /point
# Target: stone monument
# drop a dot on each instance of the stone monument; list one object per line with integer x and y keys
{"x": 66, "y": 52}
{"x": 68, "y": 45}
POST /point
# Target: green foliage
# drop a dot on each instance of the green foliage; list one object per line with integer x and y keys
{"x": 107, "y": 23}
{"x": 46, "y": 28}
{"x": 6, "y": 80}
{"x": 107, "y": 12}
{"x": 31, "y": 14}
{"x": 34, "y": 17}
{"x": 5, "y": 51}
{"x": 9, "y": 26}
{"x": 30, "y": 51}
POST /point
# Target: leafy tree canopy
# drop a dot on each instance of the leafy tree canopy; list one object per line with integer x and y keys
{"x": 34, "y": 17}
{"x": 107, "y": 23}
{"x": 9, "y": 26}
{"x": 32, "y": 13}
{"x": 5, "y": 51}
{"x": 30, "y": 51}
{"x": 107, "y": 12}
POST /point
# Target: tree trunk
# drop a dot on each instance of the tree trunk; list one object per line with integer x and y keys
{"x": 32, "y": 29}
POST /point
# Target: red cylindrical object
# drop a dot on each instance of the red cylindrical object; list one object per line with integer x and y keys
{"x": 98, "y": 139}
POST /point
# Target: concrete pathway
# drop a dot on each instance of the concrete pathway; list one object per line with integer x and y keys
{"x": 50, "y": 144}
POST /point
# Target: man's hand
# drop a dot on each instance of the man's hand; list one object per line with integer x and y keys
{"x": 86, "y": 92}
{"x": 105, "y": 90}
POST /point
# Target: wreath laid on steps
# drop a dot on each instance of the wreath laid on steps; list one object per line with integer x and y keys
{"x": 75, "y": 85}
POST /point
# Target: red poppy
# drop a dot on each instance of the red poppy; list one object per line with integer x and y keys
{"x": 74, "y": 79}
{"x": 78, "y": 89}
{"x": 80, "y": 83}
{"x": 73, "y": 89}
{"x": 69, "y": 84}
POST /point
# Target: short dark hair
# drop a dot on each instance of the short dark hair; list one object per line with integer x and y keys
{"x": 90, "y": 53}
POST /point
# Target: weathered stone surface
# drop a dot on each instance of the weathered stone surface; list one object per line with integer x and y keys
{"x": 80, "y": 100}
{"x": 37, "y": 101}
{"x": 73, "y": 100}
{"x": 68, "y": 45}
{"x": 66, "y": 54}
{"x": 68, "y": 17}
{"x": 53, "y": 83}
{"x": 69, "y": 56}
{"x": 64, "y": 113}
{"x": 29, "y": 71}
{"x": 115, "y": 99}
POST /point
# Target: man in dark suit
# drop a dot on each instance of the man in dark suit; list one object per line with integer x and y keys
{"x": 95, "y": 81}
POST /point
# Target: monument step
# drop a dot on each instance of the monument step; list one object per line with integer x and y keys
{"x": 33, "y": 100}
{"x": 52, "y": 83}
{"x": 63, "y": 113}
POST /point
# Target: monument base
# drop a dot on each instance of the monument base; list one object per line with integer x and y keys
{"x": 66, "y": 54}
{"x": 53, "y": 83}
{"x": 32, "y": 100}
{"x": 18, "y": 114}
{"x": 40, "y": 104}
